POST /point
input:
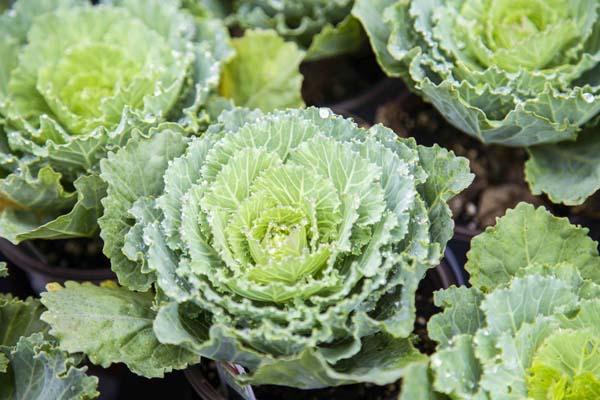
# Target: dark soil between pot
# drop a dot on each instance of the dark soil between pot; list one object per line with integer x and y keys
{"x": 335, "y": 79}
{"x": 348, "y": 84}
{"x": 205, "y": 380}
{"x": 59, "y": 261}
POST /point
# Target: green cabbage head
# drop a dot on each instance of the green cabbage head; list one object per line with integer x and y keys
{"x": 514, "y": 72}
{"x": 324, "y": 27}
{"x": 291, "y": 243}
{"x": 530, "y": 325}
{"x": 72, "y": 78}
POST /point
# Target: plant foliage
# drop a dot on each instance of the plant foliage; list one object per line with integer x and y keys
{"x": 324, "y": 28}
{"x": 291, "y": 243}
{"x": 529, "y": 326}
{"x": 518, "y": 73}
{"x": 77, "y": 79}
{"x": 31, "y": 365}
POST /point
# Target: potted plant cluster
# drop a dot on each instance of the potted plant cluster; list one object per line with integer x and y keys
{"x": 299, "y": 199}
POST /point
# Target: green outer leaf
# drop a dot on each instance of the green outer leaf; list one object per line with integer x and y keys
{"x": 417, "y": 383}
{"x": 19, "y": 318}
{"x": 323, "y": 27}
{"x": 563, "y": 358}
{"x": 39, "y": 371}
{"x": 3, "y": 270}
{"x": 447, "y": 175}
{"x": 111, "y": 324}
{"x": 527, "y": 236}
{"x": 81, "y": 221}
{"x": 370, "y": 13}
{"x": 31, "y": 367}
{"x": 42, "y": 192}
{"x": 457, "y": 370}
{"x": 264, "y": 73}
{"x": 345, "y": 37}
{"x": 132, "y": 173}
{"x": 382, "y": 360}
{"x": 461, "y": 314}
{"x": 567, "y": 172}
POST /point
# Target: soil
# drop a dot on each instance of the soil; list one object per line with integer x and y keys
{"x": 72, "y": 253}
{"x": 336, "y": 79}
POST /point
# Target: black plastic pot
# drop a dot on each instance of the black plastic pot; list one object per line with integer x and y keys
{"x": 449, "y": 272}
{"x": 27, "y": 258}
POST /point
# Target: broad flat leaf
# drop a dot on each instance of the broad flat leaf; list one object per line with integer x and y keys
{"x": 39, "y": 371}
{"x": 457, "y": 369}
{"x": 447, "y": 176}
{"x": 382, "y": 360}
{"x": 370, "y": 13}
{"x": 345, "y": 37}
{"x": 569, "y": 360}
{"x": 31, "y": 367}
{"x": 567, "y": 172}
{"x": 81, "y": 221}
{"x": 110, "y": 325}
{"x": 528, "y": 236}
{"x": 24, "y": 195}
{"x": 264, "y": 72}
{"x": 417, "y": 383}
{"x": 525, "y": 300}
{"x": 19, "y": 318}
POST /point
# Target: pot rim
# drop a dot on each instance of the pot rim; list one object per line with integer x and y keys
{"x": 23, "y": 257}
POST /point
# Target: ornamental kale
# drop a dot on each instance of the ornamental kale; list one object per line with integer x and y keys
{"x": 325, "y": 28}
{"x": 76, "y": 79}
{"x": 72, "y": 77}
{"x": 513, "y": 72}
{"x": 291, "y": 243}
{"x": 530, "y": 325}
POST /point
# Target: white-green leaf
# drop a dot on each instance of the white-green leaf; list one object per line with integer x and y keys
{"x": 111, "y": 325}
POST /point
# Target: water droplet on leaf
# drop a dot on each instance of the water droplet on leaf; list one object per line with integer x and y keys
{"x": 588, "y": 97}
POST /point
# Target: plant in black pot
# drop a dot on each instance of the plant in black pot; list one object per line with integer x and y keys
{"x": 76, "y": 81}
{"x": 290, "y": 243}
{"x": 528, "y": 327}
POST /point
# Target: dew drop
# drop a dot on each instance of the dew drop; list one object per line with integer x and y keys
{"x": 324, "y": 113}
{"x": 588, "y": 98}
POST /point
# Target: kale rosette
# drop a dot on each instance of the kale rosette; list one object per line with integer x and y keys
{"x": 291, "y": 243}
{"x": 513, "y": 72}
{"x": 529, "y": 325}
{"x": 73, "y": 79}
